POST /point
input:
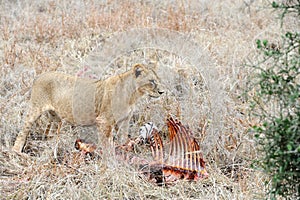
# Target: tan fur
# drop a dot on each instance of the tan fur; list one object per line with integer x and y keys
{"x": 80, "y": 101}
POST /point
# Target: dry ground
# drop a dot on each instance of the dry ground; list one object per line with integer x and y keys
{"x": 105, "y": 37}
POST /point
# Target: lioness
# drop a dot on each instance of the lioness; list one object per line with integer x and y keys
{"x": 107, "y": 103}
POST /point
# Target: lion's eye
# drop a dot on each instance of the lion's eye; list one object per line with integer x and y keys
{"x": 153, "y": 83}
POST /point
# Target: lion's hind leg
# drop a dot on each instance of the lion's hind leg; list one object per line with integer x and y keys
{"x": 31, "y": 117}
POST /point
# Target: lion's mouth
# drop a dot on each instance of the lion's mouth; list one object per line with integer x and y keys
{"x": 158, "y": 94}
{"x": 153, "y": 96}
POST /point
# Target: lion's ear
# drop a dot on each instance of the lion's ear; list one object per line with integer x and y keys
{"x": 138, "y": 70}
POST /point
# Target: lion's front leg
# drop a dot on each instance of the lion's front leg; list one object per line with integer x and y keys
{"x": 123, "y": 130}
{"x": 105, "y": 139}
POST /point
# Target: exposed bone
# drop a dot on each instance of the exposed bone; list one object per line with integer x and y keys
{"x": 183, "y": 161}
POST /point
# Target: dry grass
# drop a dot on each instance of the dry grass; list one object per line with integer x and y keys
{"x": 39, "y": 36}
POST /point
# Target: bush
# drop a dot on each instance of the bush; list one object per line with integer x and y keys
{"x": 276, "y": 101}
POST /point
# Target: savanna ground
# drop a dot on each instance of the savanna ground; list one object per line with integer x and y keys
{"x": 201, "y": 48}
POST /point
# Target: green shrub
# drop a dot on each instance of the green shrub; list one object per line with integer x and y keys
{"x": 276, "y": 101}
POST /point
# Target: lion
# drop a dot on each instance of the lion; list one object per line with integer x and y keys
{"x": 105, "y": 103}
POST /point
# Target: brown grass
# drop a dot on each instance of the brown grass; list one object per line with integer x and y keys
{"x": 69, "y": 35}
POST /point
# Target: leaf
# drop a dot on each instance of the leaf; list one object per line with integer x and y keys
{"x": 265, "y": 43}
{"x": 289, "y": 147}
{"x": 274, "y": 4}
{"x": 258, "y": 44}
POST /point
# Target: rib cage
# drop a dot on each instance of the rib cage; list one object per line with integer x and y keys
{"x": 184, "y": 157}
{"x": 157, "y": 147}
{"x": 183, "y": 160}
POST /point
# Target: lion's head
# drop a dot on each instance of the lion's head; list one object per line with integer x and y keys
{"x": 147, "y": 81}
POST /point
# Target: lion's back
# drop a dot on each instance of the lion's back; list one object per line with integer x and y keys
{"x": 51, "y": 86}
{"x": 61, "y": 93}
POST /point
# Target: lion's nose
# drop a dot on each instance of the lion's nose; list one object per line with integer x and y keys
{"x": 161, "y": 92}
